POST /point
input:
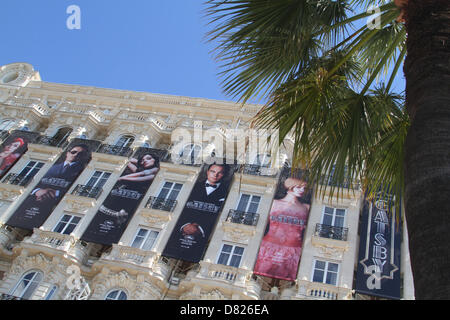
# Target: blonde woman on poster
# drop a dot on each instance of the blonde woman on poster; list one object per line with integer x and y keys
{"x": 281, "y": 246}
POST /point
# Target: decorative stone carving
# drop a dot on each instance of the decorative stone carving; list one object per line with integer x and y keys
{"x": 238, "y": 233}
{"x": 156, "y": 218}
{"x": 10, "y": 192}
{"x": 330, "y": 251}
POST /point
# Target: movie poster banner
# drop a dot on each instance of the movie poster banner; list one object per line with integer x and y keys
{"x": 199, "y": 217}
{"x": 47, "y": 194}
{"x": 378, "y": 271}
{"x": 13, "y": 148}
{"x": 115, "y": 213}
{"x": 281, "y": 247}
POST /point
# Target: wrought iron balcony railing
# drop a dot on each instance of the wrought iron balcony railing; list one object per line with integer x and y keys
{"x": 4, "y": 134}
{"x": 241, "y": 217}
{"x": 115, "y": 150}
{"x": 161, "y": 204}
{"x": 17, "y": 180}
{"x": 347, "y": 183}
{"x": 257, "y": 170}
{"x": 87, "y": 191}
{"x": 5, "y": 296}
{"x": 52, "y": 142}
{"x": 331, "y": 232}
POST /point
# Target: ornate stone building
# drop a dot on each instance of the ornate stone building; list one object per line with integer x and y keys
{"x": 51, "y": 262}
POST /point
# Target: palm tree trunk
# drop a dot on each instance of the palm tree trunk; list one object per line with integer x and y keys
{"x": 427, "y": 161}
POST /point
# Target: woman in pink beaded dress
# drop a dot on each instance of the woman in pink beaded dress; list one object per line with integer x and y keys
{"x": 281, "y": 247}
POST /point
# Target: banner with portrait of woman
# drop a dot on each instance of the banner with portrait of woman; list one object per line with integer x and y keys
{"x": 115, "y": 213}
{"x": 281, "y": 247}
{"x": 50, "y": 190}
{"x": 13, "y": 148}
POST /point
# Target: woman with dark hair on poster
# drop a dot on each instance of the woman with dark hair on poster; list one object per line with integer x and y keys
{"x": 131, "y": 187}
{"x": 143, "y": 169}
{"x": 10, "y": 153}
{"x": 281, "y": 246}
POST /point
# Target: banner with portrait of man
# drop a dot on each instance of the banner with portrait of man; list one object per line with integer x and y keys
{"x": 50, "y": 190}
{"x": 281, "y": 247}
{"x": 115, "y": 213}
{"x": 196, "y": 223}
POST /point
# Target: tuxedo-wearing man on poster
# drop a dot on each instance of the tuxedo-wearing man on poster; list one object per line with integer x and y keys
{"x": 67, "y": 170}
{"x": 281, "y": 246}
{"x": 211, "y": 190}
{"x": 208, "y": 195}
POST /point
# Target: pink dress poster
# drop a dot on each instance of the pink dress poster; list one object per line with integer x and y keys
{"x": 281, "y": 247}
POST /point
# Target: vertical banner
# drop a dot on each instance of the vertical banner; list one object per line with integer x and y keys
{"x": 13, "y": 148}
{"x": 47, "y": 194}
{"x": 281, "y": 247}
{"x": 115, "y": 213}
{"x": 378, "y": 271}
{"x": 196, "y": 223}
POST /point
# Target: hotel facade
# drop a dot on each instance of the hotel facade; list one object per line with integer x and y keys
{"x": 52, "y": 260}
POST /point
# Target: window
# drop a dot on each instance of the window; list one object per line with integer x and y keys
{"x": 7, "y": 125}
{"x": 170, "y": 190}
{"x": 333, "y": 217}
{"x": 145, "y": 239}
{"x": 125, "y": 141}
{"x": 190, "y": 153}
{"x": 262, "y": 160}
{"x": 51, "y": 293}
{"x": 248, "y": 203}
{"x": 325, "y": 272}
{"x": 30, "y": 170}
{"x": 62, "y": 135}
{"x": 98, "y": 179}
{"x": 116, "y": 295}
{"x": 230, "y": 255}
{"x": 67, "y": 224}
{"x": 27, "y": 285}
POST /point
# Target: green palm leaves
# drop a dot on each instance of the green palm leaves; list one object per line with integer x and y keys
{"x": 318, "y": 65}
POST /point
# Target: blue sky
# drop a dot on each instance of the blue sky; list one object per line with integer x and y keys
{"x": 155, "y": 46}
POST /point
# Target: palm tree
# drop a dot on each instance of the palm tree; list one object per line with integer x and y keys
{"x": 327, "y": 80}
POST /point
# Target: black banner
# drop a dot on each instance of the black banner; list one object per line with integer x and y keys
{"x": 13, "y": 148}
{"x": 47, "y": 194}
{"x": 199, "y": 216}
{"x": 378, "y": 271}
{"x": 115, "y": 213}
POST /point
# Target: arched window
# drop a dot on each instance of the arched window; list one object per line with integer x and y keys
{"x": 116, "y": 295}
{"x": 190, "y": 153}
{"x": 125, "y": 141}
{"x": 62, "y": 135}
{"x": 51, "y": 293}
{"x": 7, "y": 124}
{"x": 262, "y": 160}
{"x": 27, "y": 285}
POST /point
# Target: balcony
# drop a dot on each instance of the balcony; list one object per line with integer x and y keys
{"x": 54, "y": 242}
{"x": 331, "y": 232}
{"x": 17, "y": 180}
{"x": 223, "y": 273}
{"x": 240, "y": 217}
{"x": 322, "y": 291}
{"x": 5, "y": 297}
{"x": 52, "y": 142}
{"x": 131, "y": 255}
{"x": 4, "y": 134}
{"x": 115, "y": 150}
{"x": 161, "y": 204}
{"x": 257, "y": 170}
{"x": 87, "y": 191}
